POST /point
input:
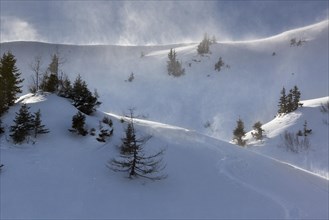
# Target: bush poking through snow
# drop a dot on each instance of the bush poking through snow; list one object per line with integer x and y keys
{"x": 325, "y": 107}
{"x": 219, "y": 64}
{"x": 105, "y": 132}
{"x": 295, "y": 143}
{"x": 325, "y": 110}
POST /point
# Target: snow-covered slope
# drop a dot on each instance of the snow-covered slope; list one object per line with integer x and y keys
{"x": 250, "y": 88}
{"x": 315, "y": 158}
{"x": 63, "y": 176}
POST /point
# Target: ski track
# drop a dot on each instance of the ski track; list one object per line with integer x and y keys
{"x": 230, "y": 166}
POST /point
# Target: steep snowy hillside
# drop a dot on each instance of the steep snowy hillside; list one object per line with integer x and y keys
{"x": 203, "y": 99}
{"x": 312, "y": 157}
{"x": 63, "y": 176}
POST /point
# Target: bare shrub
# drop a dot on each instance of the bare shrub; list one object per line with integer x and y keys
{"x": 295, "y": 143}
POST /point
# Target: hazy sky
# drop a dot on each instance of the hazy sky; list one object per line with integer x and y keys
{"x": 152, "y": 22}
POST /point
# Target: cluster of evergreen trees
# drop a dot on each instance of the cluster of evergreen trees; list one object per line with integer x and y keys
{"x": 203, "y": 47}
{"x": 289, "y": 103}
{"x": 239, "y": 132}
{"x": 26, "y": 124}
{"x": 51, "y": 81}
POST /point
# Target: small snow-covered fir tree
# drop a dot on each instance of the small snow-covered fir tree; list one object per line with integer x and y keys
{"x": 37, "y": 126}
{"x": 174, "y": 67}
{"x": 23, "y": 124}
{"x": 203, "y": 47}
{"x": 2, "y": 129}
{"x": 82, "y": 98}
{"x": 239, "y": 133}
{"x": 133, "y": 159}
{"x": 283, "y": 102}
{"x": 258, "y": 134}
{"x": 78, "y": 124}
{"x": 295, "y": 97}
{"x": 219, "y": 64}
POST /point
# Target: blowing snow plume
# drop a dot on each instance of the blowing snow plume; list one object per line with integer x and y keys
{"x": 152, "y": 22}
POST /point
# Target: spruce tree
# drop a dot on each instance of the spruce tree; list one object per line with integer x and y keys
{"x": 290, "y": 104}
{"x": 258, "y": 134}
{"x": 82, "y": 98}
{"x": 174, "y": 67}
{"x": 50, "y": 81}
{"x": 65, "y": 89}
{"x": 203, "y": 47}
{"x": 78, "y": 124}
{"x": 219, "y": 64}
{"x": 133, "y": 160}
{"x": 295, "y": 97}
{"x": 2, "y": 129}
{"x": 9, "y": 81}
{"x": 283, "y": 102}
{"x": 23, "y": 124}
{"x": 37, "y": 126}
{"x": 239, "y": 133}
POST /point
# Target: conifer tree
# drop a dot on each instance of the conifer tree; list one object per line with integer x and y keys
{"x": 258, "y": 134}
{"x": 82, "y": 98}
{"x": 78, "y": 124}
{"x": 37, "y": 126}
{"x": 219, "y": 64}
{"x": 50, "y": 81}
{"x": 174, "y": 67}
{"x": 290, "y": 105}
{"x": 133, "y": 160}
{"x": 2, "y": 129}
{"x": 295, "y": 97}
{"x": 23, "y": 124}
{"x": 239, "y": 133}
{"x": 203, "y": 47}
{"x": 9, "y": 81}
{"x": 65, "y": 89}
{"x": 283, "y": 102}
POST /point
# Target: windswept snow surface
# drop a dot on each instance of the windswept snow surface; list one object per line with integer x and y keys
{"x": 63, "y": 176}
{"x": 315, "y": 159}
{"x": 249, "y": 88}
